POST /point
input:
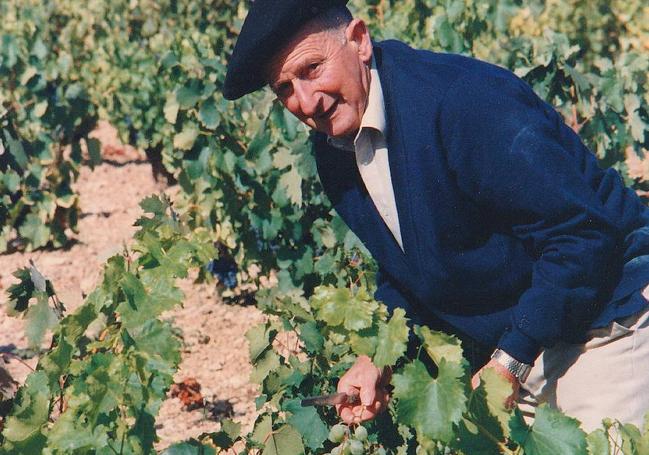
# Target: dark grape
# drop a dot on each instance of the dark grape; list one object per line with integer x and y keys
{"x": 225, "y": 269}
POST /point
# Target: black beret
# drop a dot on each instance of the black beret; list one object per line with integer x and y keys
{"x": 270, "y": 24}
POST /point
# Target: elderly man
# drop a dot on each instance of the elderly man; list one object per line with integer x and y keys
{"x": 481, "y": 207}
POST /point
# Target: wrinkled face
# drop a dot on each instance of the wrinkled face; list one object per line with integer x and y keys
{"x": 323, "y": 78}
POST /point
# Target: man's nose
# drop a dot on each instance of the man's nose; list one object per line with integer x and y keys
{"x": 307, "y": 98}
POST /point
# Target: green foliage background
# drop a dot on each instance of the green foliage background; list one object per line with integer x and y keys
{"x": 249, "y": 190}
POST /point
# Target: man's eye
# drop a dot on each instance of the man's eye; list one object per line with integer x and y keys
{"x": 313, "y": 69}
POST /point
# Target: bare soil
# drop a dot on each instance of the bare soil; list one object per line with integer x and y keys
{"x": 215, "y": 352}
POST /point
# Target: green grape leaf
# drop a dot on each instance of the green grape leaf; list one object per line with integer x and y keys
{"x": 284, "y": 441}
{"x": 311, "y": 336}
{"x": 266, "y": 363}
{"x": 69, "y": 434}
{"x": 17, "y": 150}
{"x": 337, "y": 306}
{"x": 259, "y": 339}
{"x": 263, "y": 428}
{"x": 31, "y": 411}
{"x": 229, "y": 433}
{"x": 40, "y": 318}
{"x": 189, "y": 448}
{"x": 552, "y": 433}
{"x": 133, "y": 311}
{"x": 471, "y": 441}
{"x": 34, "y": 230}
{"x": 209, "y": 114}
{"x": 308, "y": 423}
{"x": 11, "y": 178}
{"x": 153, "y": 205}
{"x": 392, "y": 340}
{"x": 431, "y": 405}
{"x": 364, "y": 341}
{"x": 156, "y": 339}
{"x": 21, "y": 292}
{"x": 598, "y": 443}
{"x": 632, "y": 439}
{"x": 188, "y": 95}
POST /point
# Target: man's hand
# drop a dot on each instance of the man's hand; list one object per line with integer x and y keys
{"x": 504, "y": 372}
{"x": 366, "y": 380}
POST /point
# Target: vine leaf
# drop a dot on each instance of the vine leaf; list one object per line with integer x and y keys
{"x": 431, "y": 405}
{"x": 291, "y": 181}
{"x": 284, "y": 441}
{"x": 230, "y": 432}
{"x": 337, "y": 306}
{"x": 598, "y": 443}
{"x": 20, "y": 293}
{"x": 551, "y": 434}
{"x": 209, "y": 114}
{"x": 313, "y": 339}
{"x": 440, "y": 345}
{"x": 392, "y": 340}
{"x": 308, "y": 422}
{"x": 497, "y": 390}
{"x": 186, "y": 138}
{"x": 22, "y": 430}
{"x": 263, "y": 428}
{"x": 40, "y": 318}
{"x": 259, "y": 338}
{"x": 264, "y": 365}
{"x": 171, "y": 108}
{"x": 190, "y": 448}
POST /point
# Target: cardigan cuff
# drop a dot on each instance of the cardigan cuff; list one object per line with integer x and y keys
{"x": 519, "y": 346}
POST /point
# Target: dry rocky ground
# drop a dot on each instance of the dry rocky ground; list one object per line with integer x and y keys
{"x": 215, "y": 352}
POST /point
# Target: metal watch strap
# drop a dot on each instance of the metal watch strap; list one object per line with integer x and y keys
{"x": 520, "y": 370}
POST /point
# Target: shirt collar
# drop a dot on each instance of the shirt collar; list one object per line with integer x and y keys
{"x": 374, "y": 115}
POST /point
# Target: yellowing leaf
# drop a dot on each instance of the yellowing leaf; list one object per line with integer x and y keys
{"x": 171, "y": 108}
{"x": 291, "y": 182}
{"x": 440, "y": 345}
{"x": 186, "y": 138}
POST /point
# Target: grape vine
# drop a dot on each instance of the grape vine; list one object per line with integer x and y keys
{"x": 251, "y": 213}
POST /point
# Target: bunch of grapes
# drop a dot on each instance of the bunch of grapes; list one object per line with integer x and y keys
{"x": 352, "y": 442}
{"x": 225, "y": 270}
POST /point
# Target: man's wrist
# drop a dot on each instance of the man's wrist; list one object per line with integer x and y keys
{"x": 518, "y": 369}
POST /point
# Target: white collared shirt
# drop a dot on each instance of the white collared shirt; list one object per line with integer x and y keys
{"x": 371, "y": 152}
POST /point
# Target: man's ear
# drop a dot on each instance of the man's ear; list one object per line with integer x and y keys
{"x": 358, "y": 34}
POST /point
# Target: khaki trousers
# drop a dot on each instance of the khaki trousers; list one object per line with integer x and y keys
{"x": 606, "y": 377}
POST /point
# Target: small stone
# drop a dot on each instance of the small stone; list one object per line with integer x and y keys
{"x": 204, "y": 339}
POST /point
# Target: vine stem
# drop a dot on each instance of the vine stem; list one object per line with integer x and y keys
{"x": 112, "y": 448}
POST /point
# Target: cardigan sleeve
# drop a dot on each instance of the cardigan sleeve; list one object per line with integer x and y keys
{"x": 510, "y": 156}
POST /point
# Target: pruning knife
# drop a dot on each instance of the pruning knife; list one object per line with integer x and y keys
{"x": 331, "y": 399}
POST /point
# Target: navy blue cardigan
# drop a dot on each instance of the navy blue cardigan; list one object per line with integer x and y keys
{"x": 512, "y": 233}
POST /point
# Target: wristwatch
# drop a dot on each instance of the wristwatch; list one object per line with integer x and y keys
{"x": 520, "y": 370}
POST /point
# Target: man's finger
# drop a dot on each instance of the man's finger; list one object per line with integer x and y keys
{"x": 368, "y": 395}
